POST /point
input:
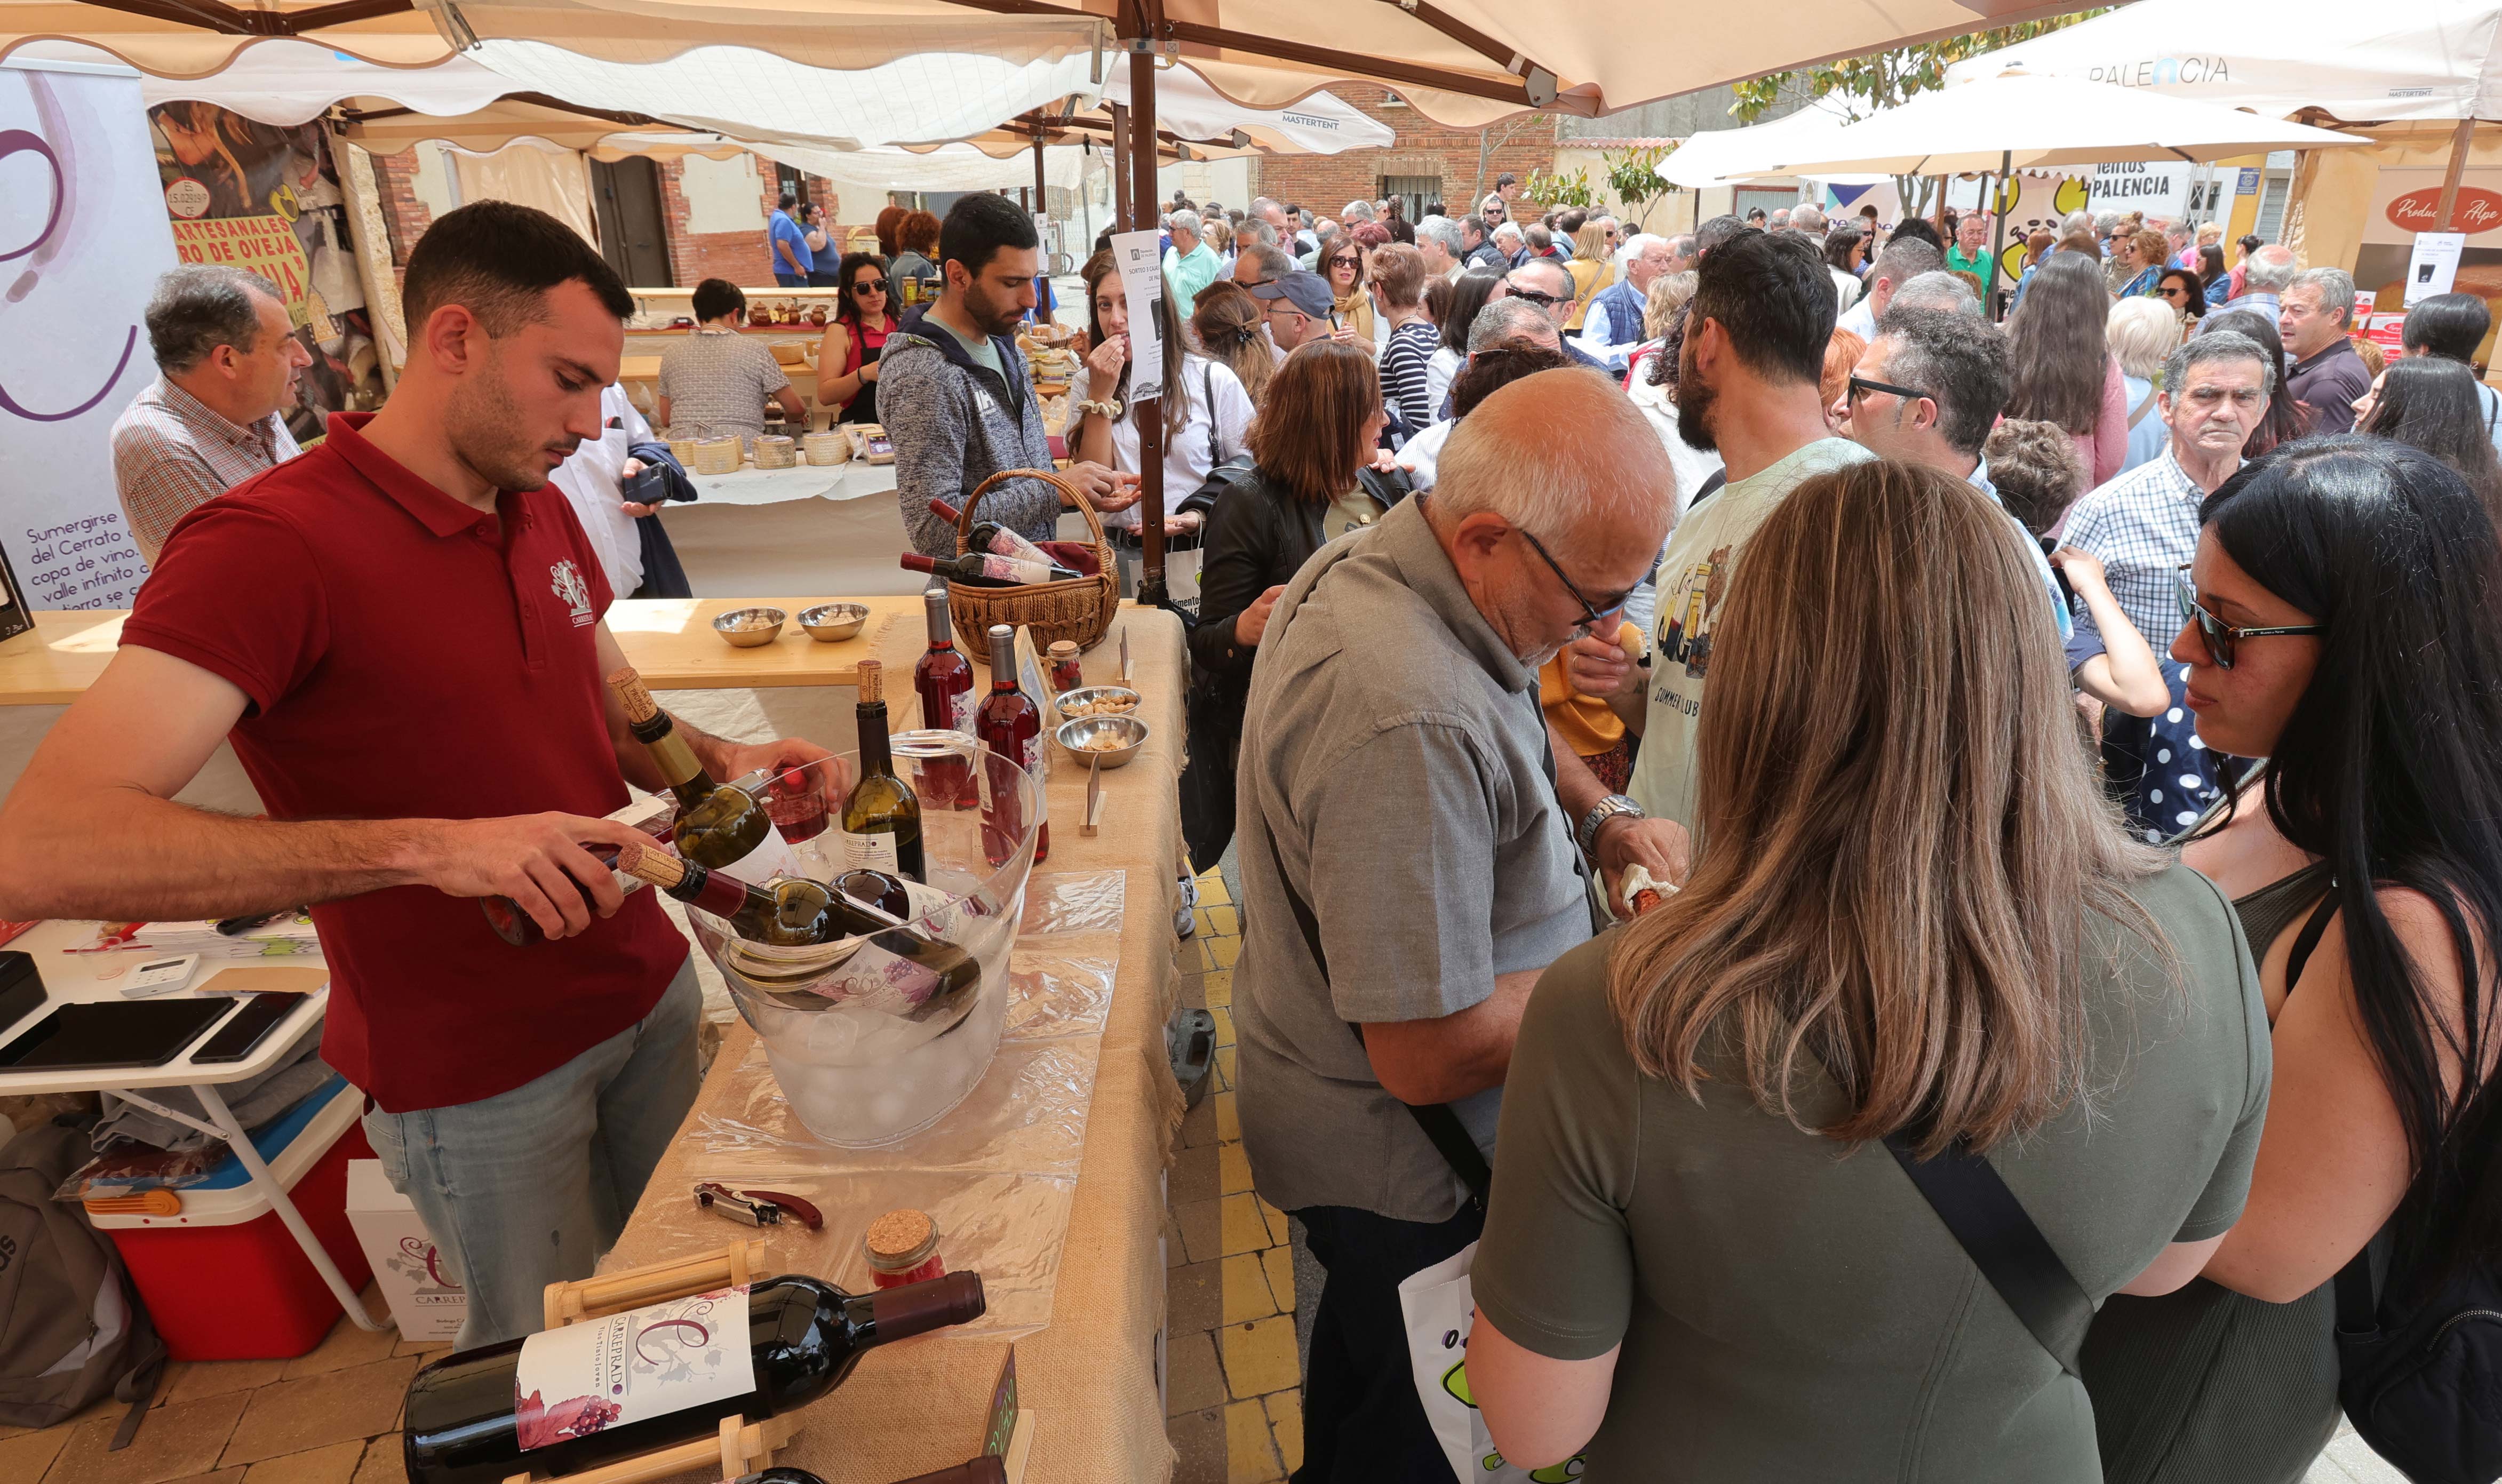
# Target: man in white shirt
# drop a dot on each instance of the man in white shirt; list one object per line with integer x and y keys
{"x": 592, "y": 481}
{"x": 1613, "y": 325}
{"x": 1902, "y": 261}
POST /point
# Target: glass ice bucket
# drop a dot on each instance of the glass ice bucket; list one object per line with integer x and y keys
{"x": 859, "y": 1067}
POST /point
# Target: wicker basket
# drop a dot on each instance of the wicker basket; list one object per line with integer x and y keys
{"x": 830, "y": 446}
{"x": 717, "y": 456}
{"x": 773, "y": 451}
{"x": 1079, "y": 610}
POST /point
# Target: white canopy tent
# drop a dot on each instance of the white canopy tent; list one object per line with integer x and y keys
{"x": 1754, "y": 152}
{"x": 2390, "y": 61}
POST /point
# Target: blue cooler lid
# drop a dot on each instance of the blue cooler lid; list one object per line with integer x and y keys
{"x": 271, "y": 1138}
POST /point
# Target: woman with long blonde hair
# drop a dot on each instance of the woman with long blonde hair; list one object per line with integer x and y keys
{"x": 1590, "y": 269}
{"x": 1912, "y": 918}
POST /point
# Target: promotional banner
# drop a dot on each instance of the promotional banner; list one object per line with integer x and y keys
{"x": 2406, "y": 206}
{"x": 83, "y": 237}
{"x": 1142, "y": 284}
{"x": 264, "y": 197}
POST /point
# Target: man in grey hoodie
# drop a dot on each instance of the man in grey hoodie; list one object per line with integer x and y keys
{"x": 956, "y": 394}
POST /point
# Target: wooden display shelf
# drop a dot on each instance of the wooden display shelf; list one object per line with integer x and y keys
{"x": 670, "y": 640}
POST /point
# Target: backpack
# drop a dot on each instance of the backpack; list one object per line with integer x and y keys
{"x": 72, "y": 1331}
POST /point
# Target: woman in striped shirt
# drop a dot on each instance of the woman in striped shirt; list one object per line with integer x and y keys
{"x": 1398, "y": 297}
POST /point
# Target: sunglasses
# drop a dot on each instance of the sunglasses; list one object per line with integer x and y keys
{"x": 1342, "y": 262}
{"x": 1542, "y": 301}
{"x": 1861, "y": 386}
{"x": 2218, "y": 635}
{"x": 1594, "y": 616}
{"x": 869, "y": 285}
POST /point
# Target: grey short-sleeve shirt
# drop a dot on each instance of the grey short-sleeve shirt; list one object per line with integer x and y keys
{"x": 1396, "y": 751}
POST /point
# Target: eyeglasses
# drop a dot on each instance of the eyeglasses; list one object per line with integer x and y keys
{"x": 2218, "y": 635}
{"x": 1593, "y": 615}
{"x": 2173, "y": 291}
{"x": 1861, "y": 386}
{"x": 869, "y": 285}
{"x": 1342, "y": 262}
{"x": 1542, "y": 301}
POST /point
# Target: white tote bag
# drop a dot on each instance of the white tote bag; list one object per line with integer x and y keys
{"x": 1440, "y": 1307}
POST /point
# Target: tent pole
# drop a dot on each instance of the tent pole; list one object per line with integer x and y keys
{"x": 2449, "y": 179}
{"x": 1998, "y": 233}
{"x": 1121, "y": 218}
{"x": 1041, "y": 202}
{"x": 1151, "y": 431}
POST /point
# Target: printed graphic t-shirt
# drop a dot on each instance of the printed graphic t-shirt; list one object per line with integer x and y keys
{"x": 1692, "y": 583}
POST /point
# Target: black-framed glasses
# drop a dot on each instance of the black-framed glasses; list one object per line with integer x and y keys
{"x": 1542, "y": 300}
{"x": 1861, "y": 386}
{"x": 1344, "y": 262}
{"x": 869, "y": 285}
{"x": 2218, "y": 635}
{"x": 1593, "y": 615}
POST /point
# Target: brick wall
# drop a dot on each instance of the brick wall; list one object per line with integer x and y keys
{"x": 741, "y": 258}
{"x": 1325, "y": 183}
{"x": 405, "y": 218}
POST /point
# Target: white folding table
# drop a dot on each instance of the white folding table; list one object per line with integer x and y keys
{"x": 71, "y": 977}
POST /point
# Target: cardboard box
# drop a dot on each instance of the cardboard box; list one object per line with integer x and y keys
{"x": 414, "y": 1276}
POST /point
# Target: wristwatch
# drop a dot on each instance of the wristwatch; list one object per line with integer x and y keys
{"x": 1610, "y": 807}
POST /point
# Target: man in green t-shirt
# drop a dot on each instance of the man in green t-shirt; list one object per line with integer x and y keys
{"x": 1747, "y": 386}
{"x": 1971, "y": 251}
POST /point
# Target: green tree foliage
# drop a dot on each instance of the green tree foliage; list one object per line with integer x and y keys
{"x": 1634, "y": 180}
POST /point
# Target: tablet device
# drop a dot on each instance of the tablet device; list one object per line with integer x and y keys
{"x": 146, "y": 1032}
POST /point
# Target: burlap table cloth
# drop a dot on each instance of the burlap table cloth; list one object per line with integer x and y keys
{"x": 1089, "y": 1377}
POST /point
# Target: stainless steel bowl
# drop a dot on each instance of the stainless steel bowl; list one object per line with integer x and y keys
{"x": 1074, "y": 695}
{"x": 750, "y": 628}
{"x": 1127, "y": 730}
{"x": 833, "y": 623}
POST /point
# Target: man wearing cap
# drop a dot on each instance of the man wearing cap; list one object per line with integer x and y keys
{"x": 1297, "y": 306}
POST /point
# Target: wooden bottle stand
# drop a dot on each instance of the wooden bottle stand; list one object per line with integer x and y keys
{"x": 742, "y": 1447}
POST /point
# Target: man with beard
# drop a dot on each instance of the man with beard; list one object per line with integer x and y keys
{"x": 1747, "y": 386}
{"x": 1406, "y": 871}
{"x": 956, "y": 396}
{"x": 402, "y": 631}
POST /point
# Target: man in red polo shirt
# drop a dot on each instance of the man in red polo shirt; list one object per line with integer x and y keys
{"x": 402, "y": 632}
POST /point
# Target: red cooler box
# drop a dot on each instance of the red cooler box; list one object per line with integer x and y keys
{"x": 224, "y": 1279}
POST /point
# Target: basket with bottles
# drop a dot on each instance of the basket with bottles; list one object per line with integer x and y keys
{"x": 1056, "y": 603}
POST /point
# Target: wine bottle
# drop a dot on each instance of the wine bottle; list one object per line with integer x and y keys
{"x": 990, "y": 536}
{"x": 563, "y": 1401}
{"x": 876, "y": 889}
{"x": 719, "y": 826}
{"x": 983, "y": 569}
{"x": 882, "y": 817}
{"x": 895, "y": 968}
{"x": 944, "y": 678}
{"x": 1009, "y": 723}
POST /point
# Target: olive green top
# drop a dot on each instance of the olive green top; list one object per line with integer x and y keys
{"x": 1790, "y": 1308}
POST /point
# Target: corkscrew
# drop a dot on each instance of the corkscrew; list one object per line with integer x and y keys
{"x": 757, "y": 1208}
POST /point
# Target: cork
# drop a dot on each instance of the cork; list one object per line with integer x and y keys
{"x": 652, "y": 865}
{"x": 898, "y": 1232}
{"x": 636, "y": 699}
{"x": 872, "y": 684}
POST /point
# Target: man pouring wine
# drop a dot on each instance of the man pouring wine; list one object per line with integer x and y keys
{"x": 403, "y": 632}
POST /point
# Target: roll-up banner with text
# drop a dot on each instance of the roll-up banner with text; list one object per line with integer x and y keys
{"x": 83, "y": 237}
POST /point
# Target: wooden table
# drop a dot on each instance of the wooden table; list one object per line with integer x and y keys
{"x": 670, "y": 640}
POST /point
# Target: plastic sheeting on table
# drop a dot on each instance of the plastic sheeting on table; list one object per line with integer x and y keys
{"x": 997, "y": 1173}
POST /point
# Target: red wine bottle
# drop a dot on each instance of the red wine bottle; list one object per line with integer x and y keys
{"x": 563, "y": 1401}
{"x": 1009, "y": 723}
{"x": 944, "y": 678}
{"x": 981, "y": 569}
{"x": 990, "y": 536}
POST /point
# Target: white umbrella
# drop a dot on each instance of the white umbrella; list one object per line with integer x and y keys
{"x": 1753, "y": 153}
{"x": 2017, "y": 121}
{"x": 2390, "y": 62}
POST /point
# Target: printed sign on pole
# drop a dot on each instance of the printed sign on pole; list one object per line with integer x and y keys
{"x": 2434, "y": 268}
{"x": 1142, "y": 284}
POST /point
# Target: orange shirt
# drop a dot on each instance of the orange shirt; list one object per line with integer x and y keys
{"x": 1585, "y": 722}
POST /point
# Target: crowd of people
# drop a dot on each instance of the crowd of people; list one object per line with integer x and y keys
{"x": 2059, "y": 751}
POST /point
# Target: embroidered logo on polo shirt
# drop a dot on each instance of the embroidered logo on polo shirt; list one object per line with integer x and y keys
{"x": 566, "y": 580}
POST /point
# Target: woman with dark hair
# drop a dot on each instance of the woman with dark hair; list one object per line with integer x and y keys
{"x": 1346, "y": 263}
{"x": 2063, "y": 372}
{"x": 2437, "y": 406}
{"x": 2210, "y": 272}
{"x": 2283, "y": 421}
{"x": 847, "y": 356}
{"x": 2341, "y": 623}
{"x": 1204, "y": 412}
{"x": 1227, "y": 322}
{"x": 916, "y": 265}
{"x": 2180, "y": 289}
{"x": 1313, "y": 481}
{"x": 1845, "y": 255}
{"x": 2248, "y": 244}
{"x": 813, "y": 231}
{"x": 1469, "y": 292}
{"x": 890, "y": 220}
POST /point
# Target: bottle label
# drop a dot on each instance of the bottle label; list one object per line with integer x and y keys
{"x": 627, "y": 1367}
{"x": 876, "y": 851}
{"x": 877, "y": 979}
{"x": 959, "y": 711}
{"x": 772, "y": 857}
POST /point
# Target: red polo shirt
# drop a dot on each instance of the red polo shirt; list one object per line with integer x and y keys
{"x": 408, "y": 658}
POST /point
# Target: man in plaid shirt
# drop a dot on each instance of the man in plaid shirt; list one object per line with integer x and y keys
{"x": 228, "y": 360}
{"x": 2142, "y": 526}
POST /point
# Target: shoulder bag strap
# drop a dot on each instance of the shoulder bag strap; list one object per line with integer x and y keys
{"x": 1442, "y": 1125}
{"x": 2143, "y": 408}
{"x": 1990, "y": 1224}
{"x": 1208, "y": 394}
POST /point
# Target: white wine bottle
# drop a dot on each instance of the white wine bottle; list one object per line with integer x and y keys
{"x": 720, "y": 825}
{"x": 882, "y": 817}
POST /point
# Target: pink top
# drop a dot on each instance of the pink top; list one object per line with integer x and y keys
{"x": 2103, "y": 449}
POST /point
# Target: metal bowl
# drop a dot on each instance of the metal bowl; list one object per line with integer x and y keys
{"x": 750, "y": 628}
{"x": 1127, "y": 730}
{"x": 1076, "y": 694}
{"x": 833, "y": 623}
